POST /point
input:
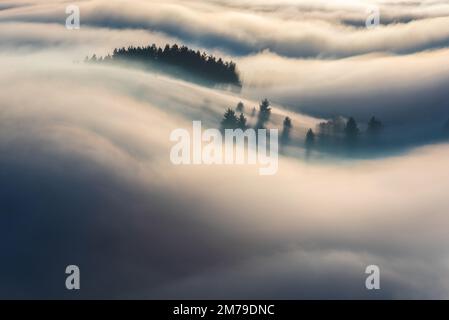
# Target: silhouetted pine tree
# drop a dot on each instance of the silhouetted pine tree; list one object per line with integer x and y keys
{"x": 285, "y": 136}
{"x": 240, "y": 107}
{"x": 264, "y": 114}
{"x": 230, "y": 120}
{"x": 310, "y": 138}
{"x": 351, "y": 129}
{"x": 241, "y": 122}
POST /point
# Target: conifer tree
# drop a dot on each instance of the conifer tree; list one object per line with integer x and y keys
{"x": 351, "y": 129}
{"x": 241, "y": 122}
{"x": 240, "y": 107}
{"x": 310, "y": 138}
{"x": 264, "y": 113}
{"x": 230, "y": 120}
{"x": 285, "y": 136}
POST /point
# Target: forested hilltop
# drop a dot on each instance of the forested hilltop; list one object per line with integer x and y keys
{"x": 181, "y": 61}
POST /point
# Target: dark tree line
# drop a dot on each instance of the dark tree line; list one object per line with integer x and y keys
{"x": 335, "y": 135}
{"x": 193, "y": 62}
{"x": 330, "y": 133}
{"x": 350, "y": 129}
{"x": 337, "y": 130}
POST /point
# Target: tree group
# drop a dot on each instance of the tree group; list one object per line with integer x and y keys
{"x": 232, "y": 121}
{"x": 331, "y": 133}
{"x": 193, "y": 62}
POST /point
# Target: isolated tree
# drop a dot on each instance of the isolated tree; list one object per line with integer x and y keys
{"x": 351, "y": 129}
{"x": 287, "y": 126}
{"x": 310, "y": 138}
{"x": 230, "y": 120}
{"x": 374, "y": 126}
{"x": 240, "y": 107}
{"x": 241, "y": 122}
{"x": 264, "y": 113}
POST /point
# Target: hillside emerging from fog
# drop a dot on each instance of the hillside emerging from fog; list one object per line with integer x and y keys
{"x": 179, "y": 61}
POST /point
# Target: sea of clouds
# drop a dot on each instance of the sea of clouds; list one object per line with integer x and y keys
{"x": 86, "y": 179}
